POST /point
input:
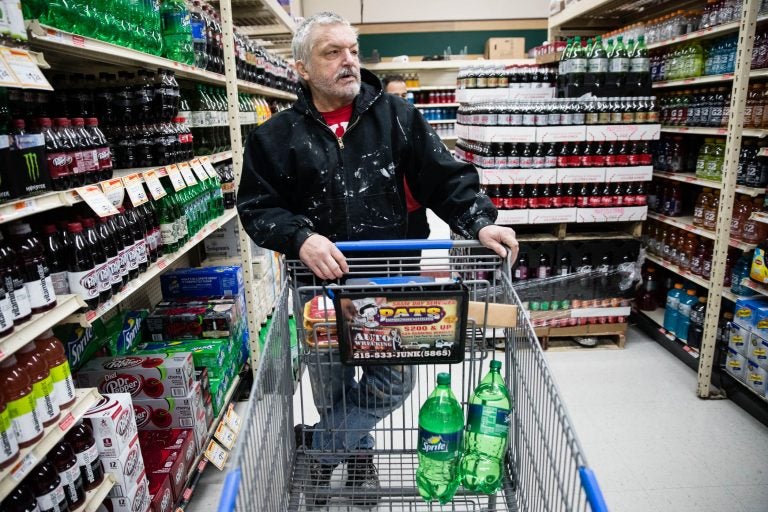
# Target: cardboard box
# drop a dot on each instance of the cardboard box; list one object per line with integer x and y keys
{"x": 168, "y": 412}
{"x": 171, "y": 464}
{"x": 505, "y": 48}
{"x": 127, "y": 468}
{"x": 206, "y": 353}
{"x": 113, "y": 423}
{"x": 736, "y": 364}
{"x": 160, "y": 493}
{"x": 143, "y": 376}
{"x": 202, "y": 282}
{"x": 194, "y": 320}
{"x": 757, "y": 350}
{"x": 136, "y": 501}
{"x": 738, "y": 338}
{"x": 164, "y": 442}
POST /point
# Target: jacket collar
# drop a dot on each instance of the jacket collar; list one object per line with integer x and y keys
{"x": 370, "y": 90}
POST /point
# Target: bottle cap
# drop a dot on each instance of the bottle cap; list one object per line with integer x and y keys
{"x": 78, "y": 121}
{"x": 443, "y": 379}
{"x": 49, "y": 229}
{"x": 692, "y": 292}
{"x": 75, "y": 227}
{"x": 679, "y": 286}
{"x": 495, "y": 364}
{"x": 46, "y": 335}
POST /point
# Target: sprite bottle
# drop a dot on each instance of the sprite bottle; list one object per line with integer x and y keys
{"x": 485, "y": 441}
{"x": 441, "y": 426}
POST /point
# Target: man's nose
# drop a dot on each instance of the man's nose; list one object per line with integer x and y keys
{"x": 349, "y": 57}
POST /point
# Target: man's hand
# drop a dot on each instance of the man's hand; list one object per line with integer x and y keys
{"x": 498, "y": 239}
{"x": 322, "y": 257}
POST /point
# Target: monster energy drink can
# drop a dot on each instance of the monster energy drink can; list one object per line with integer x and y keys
{"x": 28, "y": 171}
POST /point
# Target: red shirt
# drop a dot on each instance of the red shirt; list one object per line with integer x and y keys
{"x": 338, "y": 120}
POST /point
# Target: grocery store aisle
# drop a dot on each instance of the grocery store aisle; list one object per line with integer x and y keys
{"x": 654, "y": 445}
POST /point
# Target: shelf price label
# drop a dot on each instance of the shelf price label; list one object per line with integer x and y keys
{"x": 114, "y": 191}
{"x": 7, "y": 78}
{"x": 225, "y": 435}
{"x": 216, "y": 454}
{"x": 208, "y": 166}
{"x": 177, "y": 180}
{"x": 135, "y": 188}
{"x": 156, "y": 188}
{"x": 199, "y": 170}
{"x": 187, "y": 174}
{"x": 98, "y": 202}
{"x": 232, "y": 419}
{"x": 25, "y": 68}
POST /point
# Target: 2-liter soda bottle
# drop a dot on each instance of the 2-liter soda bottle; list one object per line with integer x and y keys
{"x": 441, "y": 427}
{"x": 485, "y": 440}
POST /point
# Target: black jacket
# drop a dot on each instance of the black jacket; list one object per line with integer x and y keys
{"x": 299, "y": 178}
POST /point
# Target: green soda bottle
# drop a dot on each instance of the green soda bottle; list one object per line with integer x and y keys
{"x": 441, "y": 427}
{"x": 60, "y": 15}
{"x": 168, "y": 238}
{"x": 485, "y": 441}
{"x": 177, "y": 31}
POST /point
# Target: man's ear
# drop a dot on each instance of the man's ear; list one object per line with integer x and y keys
{"x": 302, "y": 69}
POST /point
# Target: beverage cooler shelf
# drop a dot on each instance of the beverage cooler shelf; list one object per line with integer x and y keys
{"x": 657, "y": 317}
{"x": 214, "y": 159}
{"x": 153, "y": 271}
{"x": 66, "y": 305}
{"x": 707, "y": 79}
{"x": 54, "y": 40}
{"x": 677, "y": 270}
{"x": 29, "y": 457}
{"x": 686, "y": 223}
{"x": 688, "y": 177}
{"x": 95, "y": 497}
{"x": 759, "y": 288}
{"x": 701, "y": 130}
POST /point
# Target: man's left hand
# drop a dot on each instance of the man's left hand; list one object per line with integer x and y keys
{"x": 499, "y": 239}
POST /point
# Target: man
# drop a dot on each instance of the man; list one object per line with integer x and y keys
{"x": 418, "y": 226}
{"x": 332, "y": 168}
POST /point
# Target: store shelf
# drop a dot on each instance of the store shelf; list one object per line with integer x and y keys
{"x": 95, "y": 497}
{"x": 449, "y": 138}
{"x": 66, "y": 305}
{"x": 700, "y": 130}
{"x": 153, "y": 271}
{"x": 436, "y": 105}
{"x": 743, "y": 385}
{"x": 759, "y": 288}
{"x": 21, "y": 208}
{"x": 441, "y": 64}
{"x": 440, "y": 121}
{"x": 686, "y": 224}
{"x": 708, "y": 79}
{"x": 11, "y": 476}
{"x": 549, "y": 58}
{"x": 687, "y": 177}
{"x": 677, "y": 270}
{"x": 432, "y": 87}
{"x": 657, "y": 317}
{"x": 760, "y": 217}
{"x": 214, "y": 158}
{"x": 55, "y": 41}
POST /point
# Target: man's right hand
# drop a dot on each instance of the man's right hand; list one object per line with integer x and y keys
{"x": 322, "y": 257}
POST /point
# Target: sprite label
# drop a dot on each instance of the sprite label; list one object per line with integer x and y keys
{"x": 488, "y": 420}
{"x": 442, "y": 447}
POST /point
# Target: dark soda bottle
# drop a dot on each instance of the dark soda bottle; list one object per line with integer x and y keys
{"x": 563, "y": 159}
{"x": 582, "y": 199}
{"x": 595, "y": 196}
{"x": 124, "y": 242}
{"x": 85, "y": 156}
{"x": 545, "y": 197}
{"x": 550, "y": 158}
{"x": 56, "y": 258}
{"x": 520, "y": 197}
{"x": 13, "y": 279}
{"x": 45, "y": 483}
{"x": 100, "y": 259}
{"x": 228, "y": 187}
{"x": 153, "y": 230}
{"x": 34, "y": 267}
{"x": 521, "y": 271}
{"x": 140, "y": 235}
{"x": 69, "y": 144}
{"x": 84, "y": 446}
{"x": 21, "y": 499}
{"x": 65, "y": 462}
{"x": 607, "y": 199}
{"x": 81, "y": 267}
{"x": 513, "y": 157}
{"x": 569, "y": 196}
{"x": 130, "y": 239}
{"x": 103, "y": 151}
{"x": 557, "y": 196}
{"x": 112, "y": 251}
{"x": 58, "y": 158}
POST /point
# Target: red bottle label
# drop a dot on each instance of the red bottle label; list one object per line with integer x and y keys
{"x": 635, "y": 160}
{"x": 582, "y": 201}
{"x": 568, "y": 201}
{"x": 598, "y": 161}
{"x": 595, "y": 201}
{"x": 622, "y": 161}
{"x": 607, "y": 201}
{"x": 562, "y": 161}
{"x": 641, "y": 199}
{"x": 628, "y": 200}
{"x": 610, "y": 161}
{"x": 557, "y": 202}
{"x": 59, "y": 164}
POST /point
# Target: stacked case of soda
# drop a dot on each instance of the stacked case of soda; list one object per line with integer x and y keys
{"x": 747, "y": 356}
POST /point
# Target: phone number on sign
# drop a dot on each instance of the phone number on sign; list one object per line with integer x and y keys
{"x": 403, "y": 354}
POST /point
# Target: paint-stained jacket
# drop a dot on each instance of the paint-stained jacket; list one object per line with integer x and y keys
{"x": 299, "y": 178}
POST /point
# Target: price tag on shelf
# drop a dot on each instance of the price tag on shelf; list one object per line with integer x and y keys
{"x": 135, "y": 188}
{"x": 67, "y": 422}
{"x": 208, "y": 166}
{"x": 153, "y": 184}
{"x": 216, "y": 454}
{"x": 7, "y": 78}
{"x": 114, "y": 191}
{"x": 187, "y": 174}
{"x": 232, "y": 419}
{"x": 25, "y": 68}
{"x": 225, "y": 435}
{"x": 21, "y": 469}
{"x": 199, "y": 170}
{"x": 177, "y": 180}
{"x": 96, "y": 199}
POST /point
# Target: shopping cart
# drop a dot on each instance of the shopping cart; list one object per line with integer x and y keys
{"x": 270, "y": 469}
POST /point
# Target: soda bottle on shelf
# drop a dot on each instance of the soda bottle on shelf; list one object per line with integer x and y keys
{"x": 485, "y": 439}
{"x": 176, "y": 31}
{"x": 58, "y": 159}
{"x": 441, "y": 427}
{"x": 13, "y": 279}
{"x": 45, "y": 483}
{"x": 646, "y": 300}
{"x": 123, "y": 243}
{"x": 81, "y": 268}
{"x": 103, "y": 151}
{"x": 101, "y": 261}
{"x": 65, "y": 462}
{"x": 84, "y": 445}
{"x": 34, "y": 267}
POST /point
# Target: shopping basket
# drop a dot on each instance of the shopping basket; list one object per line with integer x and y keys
{"x": 270, "y": 468}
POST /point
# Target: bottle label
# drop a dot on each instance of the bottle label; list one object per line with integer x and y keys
{"x": 619, "y": 65}
{"x": 40, "y": 290}
{"x": 598, "y": 65}
{"x": 45, "y": 405}
{"x": 63, "y": 385}
{"x": 90, "y": 464}
{"x": 8, "y": 444}
{"x": 58, "y": 164}
{"x": 578, "y": 118}
{"x": 72, "y": 482}
{"x": 60, "y": 283}
{"x": 152, "y": 239}
{"x": 26, "y": 424}
{"x": 132, "y": 257}
{"x": 113, "y": 264}
{"x": 167, "y": 234}
{"x": 104, "y": 277}
{"x": 526, "y": 162}
{"x": 87, "y": 161}
{"x": 104, "y": 158}
{"x": 442, "y": 447}
{"x": 141, "y": 251}
{"x": 578, "y": 65}
{"x": 529, "y": 119}
{"x": 592, "y": 118}
{"x": 488, "y": 420}
{"x": 639, "y": 64}
{"x": 84, "y": 283}
{"x": 54, "y": 501}
{"x": 616, "y": 117}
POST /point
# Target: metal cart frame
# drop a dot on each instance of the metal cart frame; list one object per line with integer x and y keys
{"x": 545, "y": 468}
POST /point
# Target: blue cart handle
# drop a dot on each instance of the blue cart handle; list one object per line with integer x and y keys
{"x": 229, "y": 493}
{"x": 592, "y": 490}
{"x": 403, "y": 245}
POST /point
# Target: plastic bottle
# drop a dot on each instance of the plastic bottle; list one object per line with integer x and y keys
{"x": 647, "y": 298}
{"x": 129, "y": 254}
{"x": 702, "y": 203}
{"x": 59, "y": 161}
{"x": 103, "y": 152}
{"x": 710, "y": 212}
{"x": 696, "y": 329}
{"x": 671, "y": 312}
{"x": 50, "y": 348}
{"x": 83, "y": 443}
{"x": 9, "y": 447}
{"x": 110, "y": 246}
{"x": 21, "y": 309}
{"x": 485, "y": 439}
{"x": 34, "y": 267}
{"x": 64, "y": 461}
{"x": 86, "y": 156}
{"x": 199, "y": 41}
{"x": 81, "y": 267}
{"x": 177, "y": 31}
{"x": 441, "y": 428}
{"x": 102, "y": 271}
{"x": 684, "y": 318}
{"x": 45, "y": 483}
{"x": 31, "y": 361}
{"x": 20, "y": 400}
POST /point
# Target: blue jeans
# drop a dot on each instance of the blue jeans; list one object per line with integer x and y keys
{"x": 349, "y": 409}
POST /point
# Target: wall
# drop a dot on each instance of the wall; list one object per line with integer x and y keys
{"x": 434, "y": 43}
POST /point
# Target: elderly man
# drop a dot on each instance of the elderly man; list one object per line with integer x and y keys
{"x": 333, "y": 168}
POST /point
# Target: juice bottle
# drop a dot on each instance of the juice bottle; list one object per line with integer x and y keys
{"x": 20, "y": 500}
{"x": 671, "y": 310}
{"x": 37, "y": 275}
{"x": 702, "y": 203}
{"x": 9, "y": 447}
{"x": 84, "y": 445}
{"x": 741, "y": 212}
{"x": 689, "y": 250}
{"x": 20, "y": 398}
{"x": 684, "y": 318}
{"x": 754, "y": 231}
{"x": 65, "y": 462}
{"x": 46, "y": 405}
{"x": 52, "y": 350}
{"x": 46, "y": 485}
{"x": 701, "y": 163}
{"x": 710, "y": 212}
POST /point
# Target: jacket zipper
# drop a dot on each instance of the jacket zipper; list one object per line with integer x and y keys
{"x": 341, "y": 142}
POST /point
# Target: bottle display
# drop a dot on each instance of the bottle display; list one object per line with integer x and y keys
{"x": 84, "y": 446}
{"x": 20, "y": 401}
{"x": 46, "y": 405}
{"x": 47, "y": 487}
{"x": 65, "y": 463}
{"x": 9, "y": 446}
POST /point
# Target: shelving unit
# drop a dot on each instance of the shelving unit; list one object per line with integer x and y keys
{"x": 441, "y": 121}
{"x": 679, "y": 271}
{"x": 686, "y": 224}
{"x": 436, "y": 105}
{"x": 95, "y": 497}
{"x": 700, "y": 130}
{"x": 687, "y": 177}
{"x": 707, "y": 79}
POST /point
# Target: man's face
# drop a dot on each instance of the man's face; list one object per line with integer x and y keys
{"x": 333, "y": 69}
{"x": 397, "y": 88}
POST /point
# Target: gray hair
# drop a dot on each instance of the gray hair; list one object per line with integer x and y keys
{"x": 302, "y": 43}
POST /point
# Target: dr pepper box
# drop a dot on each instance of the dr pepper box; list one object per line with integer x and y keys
{"x": 168, "y": 412}
{"x": 171, "y": 464}
{"x": 136, "y": 501}
{"x": 142, "y": 376}
{"x": 160, "y": 493}
{"x": 175, "y": 440}
{"x": 181, "y": 320}
{"x": 127, "y": 468}
{"x": 112, "y": 423}
{"x": 202, "y": 282}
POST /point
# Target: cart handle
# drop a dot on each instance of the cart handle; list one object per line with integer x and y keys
{"x": 403, "y": 245}
{"x": 592, "y": 490}
{"x": 230, "y": 491}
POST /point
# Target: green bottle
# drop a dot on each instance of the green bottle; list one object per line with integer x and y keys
{"x": 562, "y": 66}
{"x": 487, "y": 433}
{"x": 579, "y": 57}
{"x": 619, "y": 62}
{"x": 168, "y": 235}
{"x": 60, "y": 14}
{"x": 597, "y": 60}
{"x": 441, "y": 427}
{"x": 177, "y": 31}
{"x": 639, "y": 62}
